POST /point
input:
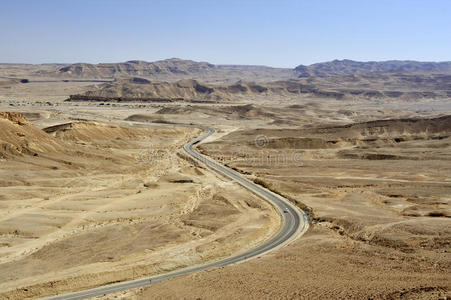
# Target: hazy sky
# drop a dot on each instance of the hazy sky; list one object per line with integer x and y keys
{"x": 275, "y": 33}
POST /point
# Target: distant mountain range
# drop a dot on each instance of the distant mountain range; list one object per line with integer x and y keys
{"x": 190, "y": 80}
{"x": 175, "y": 69}
{"x": 339, "y": 79}
{"x": 395, "y": 86}
{"x": 350, "y": 67}
{"x": 138, "y": 67}
{"x": 187, "y": 68}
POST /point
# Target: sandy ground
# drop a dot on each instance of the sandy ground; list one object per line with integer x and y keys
{"x": 87, "y": 203}
{"x": 378, "y": 194}
{"x": 107, "y": 201}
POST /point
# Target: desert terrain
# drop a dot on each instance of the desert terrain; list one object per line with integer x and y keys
{"x": 96, "y": 189}
{"x": 86, "y": 203}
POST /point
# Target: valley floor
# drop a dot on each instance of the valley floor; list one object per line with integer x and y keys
{"x": 109, "y": 197}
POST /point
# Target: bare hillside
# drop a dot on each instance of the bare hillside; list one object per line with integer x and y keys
{"x": 173, "y": 69}
{"x": 395, "y": 86}
{"x": 349, "y": 67}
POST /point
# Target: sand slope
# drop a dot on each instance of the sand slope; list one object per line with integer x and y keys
{"x": 99, "y": 203}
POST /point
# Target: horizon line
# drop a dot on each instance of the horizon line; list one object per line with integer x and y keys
{"x": 224, "y": 64}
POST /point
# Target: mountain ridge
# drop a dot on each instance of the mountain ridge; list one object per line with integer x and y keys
{"x": 181, "y": 68}
{"x": 350, "y": 67}
{"x": 175, "y": 69}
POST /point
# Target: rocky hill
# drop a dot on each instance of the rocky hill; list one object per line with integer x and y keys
{"x": 137, "y": 67}
{"x": 186, "y": 89}
{"x": 201, "y": 81}
{"x": 174, "y": 69}
{"x": 139, "y": 88}
{"x": 350, "y": 67}
{"x": 405, "y": 86}
{"x": 19, "y": 137}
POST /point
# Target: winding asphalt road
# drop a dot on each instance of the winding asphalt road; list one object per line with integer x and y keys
{"x": 294, "y": 223}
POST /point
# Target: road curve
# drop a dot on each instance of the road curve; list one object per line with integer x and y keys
{"x": 295, "y": 222}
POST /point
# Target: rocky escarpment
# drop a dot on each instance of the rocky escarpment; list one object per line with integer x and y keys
{"x": 19, "y": 137}
{"x": 350, "y": 67}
